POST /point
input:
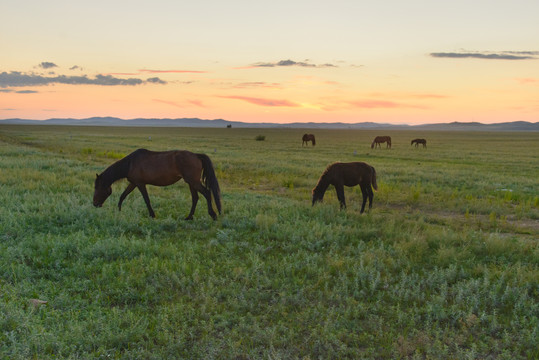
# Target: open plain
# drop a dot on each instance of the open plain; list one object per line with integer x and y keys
{"x": 445, "y": 264}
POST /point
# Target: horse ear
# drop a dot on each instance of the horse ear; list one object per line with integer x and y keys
{"x": 96, "y": 176}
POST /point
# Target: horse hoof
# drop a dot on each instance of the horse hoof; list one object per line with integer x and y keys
{"x": 189, "y": 218}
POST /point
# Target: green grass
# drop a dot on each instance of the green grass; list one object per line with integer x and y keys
{"x": 445, "y": 265}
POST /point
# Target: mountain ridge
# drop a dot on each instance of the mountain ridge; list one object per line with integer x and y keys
{"x": 217, "y": 123}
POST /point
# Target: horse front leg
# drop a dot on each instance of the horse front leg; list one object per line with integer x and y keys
{"x": 144, "y": 193}
{"x": 126, "y": 192}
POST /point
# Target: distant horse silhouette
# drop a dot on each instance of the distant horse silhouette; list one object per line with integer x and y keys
{"x": 381, "y": 139}
{"x": 347, "y": 174}
{"x": 308, "y": 137}
{"x": 419, "y": 141}
{"x": 143, "y": 167}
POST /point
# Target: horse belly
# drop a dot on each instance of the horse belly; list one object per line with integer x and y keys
{"x": 155, "y": 177}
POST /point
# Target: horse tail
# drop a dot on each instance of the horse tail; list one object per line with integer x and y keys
{"x": 314, "y": 141}
{"x": 210, "y": 180}
{"x": 373, "y": 179}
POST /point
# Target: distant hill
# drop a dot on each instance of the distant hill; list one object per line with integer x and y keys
{"x": 217, "y": 123}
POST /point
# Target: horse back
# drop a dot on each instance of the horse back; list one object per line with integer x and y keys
{"x": 351, "y": 174}
{"x": 162, "y": 168}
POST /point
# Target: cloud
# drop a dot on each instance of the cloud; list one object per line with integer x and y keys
{"x": 196, "y": 103}
{"x": 286, "y": 63}
{"x": 503, "y": 55}
{"x": 17, "y": 79}
{"x": 75, "y": 67}
{"x": 257, "y": 84}
{"x": 528, "y": 81}
{"x": 263, "y": 102}
{"x": 381, "y": 104}
{"x": 171, "y": 103}
{"x": 26, "y": 92}
{"x": 173, "y": 71}
{"x": 155, "y": 80}
{"x": 47, "y": 65}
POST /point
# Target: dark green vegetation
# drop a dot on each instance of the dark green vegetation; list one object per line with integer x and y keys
{"x": 445, "y": 265}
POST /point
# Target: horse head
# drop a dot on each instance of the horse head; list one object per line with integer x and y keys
{"x": 318, "y": 196}
{"x": 101, "y": 191}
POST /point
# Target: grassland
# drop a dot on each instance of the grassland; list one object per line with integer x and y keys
{"x": 445, "y": 265}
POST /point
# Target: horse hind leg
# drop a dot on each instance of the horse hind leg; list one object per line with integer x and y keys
{"x": 371, "y": 194}
{"x": 340, "y": 195}
{"x": 194, "y": 201}
{"x": 144, "y": 193}
{"x": 364, "y": 194}
{"x": 195, "y": 189}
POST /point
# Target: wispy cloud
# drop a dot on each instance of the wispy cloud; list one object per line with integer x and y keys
{"x": 172, "y": 71}
{"x": 489, "y": 55}
{"x": 18, "y": 92}
{"x": 257, "y": 84}
{"x": 17, "y": 79}
{"x": 171, "y": 103}
{"x": 288, "y": 63}
{"x": 381, "y": 104}
{"x": 263, "y": 101}
{"x": 528, "y": 81}
{"x": 196, "y": 103}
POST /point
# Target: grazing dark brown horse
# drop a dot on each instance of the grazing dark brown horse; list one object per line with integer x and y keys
{"x": 308, "y": 137}
{"x": 419, "y": 141}
{"x": 381, "y": 139}
{"x": 143, "y": 167}
{"x": 347, "y": 174}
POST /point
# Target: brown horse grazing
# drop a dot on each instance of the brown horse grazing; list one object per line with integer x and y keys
{"x": 419, "y": 141}
{"x": 308, "y": 137}
{"x": 347, "y": 174}
{"x": 143, "y": 167}
{"x": 381, "y": 139}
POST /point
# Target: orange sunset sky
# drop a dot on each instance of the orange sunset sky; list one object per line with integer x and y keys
{"x": 400, "y": 62}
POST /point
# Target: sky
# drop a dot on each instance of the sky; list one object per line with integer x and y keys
{"x": 387, "y": 61}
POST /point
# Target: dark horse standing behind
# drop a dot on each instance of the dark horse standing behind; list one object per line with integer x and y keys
{"x": 143, "y": 167}
{"x": 347, "y": 174}
{"x": 308, "y": 137}
{"x": 419, "y": 141}
{"x": 381, "y": 139}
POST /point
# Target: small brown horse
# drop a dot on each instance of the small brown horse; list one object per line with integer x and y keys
{"x": 347, "y": 174}
{"x": 143, "y": 167}
{"x": 308, "y": 137}
{"x": 381, "y": 139}
{"x": 419, "y": 141}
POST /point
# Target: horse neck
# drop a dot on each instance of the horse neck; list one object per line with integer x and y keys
{"x": 322, "y": 185}
{"x": 116, "y": 171}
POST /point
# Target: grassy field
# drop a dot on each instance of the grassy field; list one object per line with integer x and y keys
{"x": 445, "y": 265}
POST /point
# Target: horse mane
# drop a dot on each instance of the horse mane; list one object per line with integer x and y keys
{"x": 116, "y": 171}
{"x": 323, "y": 181}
